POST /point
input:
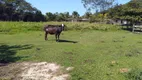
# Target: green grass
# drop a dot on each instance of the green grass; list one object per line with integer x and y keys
{"x": 91, "y": 56}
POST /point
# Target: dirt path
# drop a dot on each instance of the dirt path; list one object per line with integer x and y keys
{"x": 34, "y": 71}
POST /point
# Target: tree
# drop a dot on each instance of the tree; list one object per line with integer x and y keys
{"x": 15, "y": 10}
{"x": 57, "y": 16}
{"x": 66, "y": 15}
{"x": 87, "y": 15}
{"x": 39, "y": 17}
{"x": 100, "y": 5}
{"x": 50, "y": 16}
{"x": 75, "y": 14}
{"x": 61, "y": 17}
{"x": 131, "y": 11}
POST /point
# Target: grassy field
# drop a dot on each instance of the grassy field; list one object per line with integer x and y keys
{"x": 94, "y": 54}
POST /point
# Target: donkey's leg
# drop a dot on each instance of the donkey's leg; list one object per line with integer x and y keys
{"x": 46, "y": 33}
{"x": 56, "y": 36}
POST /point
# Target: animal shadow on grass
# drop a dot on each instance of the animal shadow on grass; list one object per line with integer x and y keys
{"x": 67, "y": 41}
{"x": 8, "y": 52}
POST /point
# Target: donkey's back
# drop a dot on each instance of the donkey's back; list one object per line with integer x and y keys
{"x": 52, "y": 29}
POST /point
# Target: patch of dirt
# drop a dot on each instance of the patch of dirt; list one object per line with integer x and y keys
{"x": 68, "y": 53}
{"x": 124, "y": 70}
{"x": 34, "y": 71}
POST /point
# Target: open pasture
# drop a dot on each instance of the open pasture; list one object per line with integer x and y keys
{"x": 95, "y": 53}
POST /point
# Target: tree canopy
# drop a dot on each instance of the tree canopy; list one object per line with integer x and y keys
{"x": 19, "y": 10}
{"x": 75, "y": 14}
{"x": 131, "y": 11}
{"x": 100, "y": 5}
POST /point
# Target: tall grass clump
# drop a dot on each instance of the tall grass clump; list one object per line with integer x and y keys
{"x": 134, "y": 74}
{"x": 16, "y": 27}
{"x": 91, "y": 26}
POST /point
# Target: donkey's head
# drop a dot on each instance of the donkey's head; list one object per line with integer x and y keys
{"x": 62, "y": 27}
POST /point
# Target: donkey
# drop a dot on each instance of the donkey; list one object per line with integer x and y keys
{"x": 53, "y": 29}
